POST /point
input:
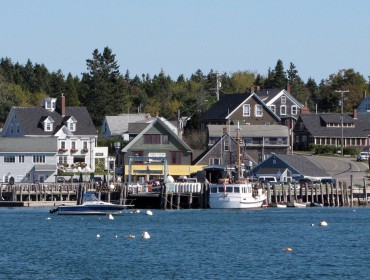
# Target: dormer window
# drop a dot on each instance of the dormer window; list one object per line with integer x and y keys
{"x": 283, "y": 99}
{"x": 48, "y": 124}
{"x": 71, "y": 124}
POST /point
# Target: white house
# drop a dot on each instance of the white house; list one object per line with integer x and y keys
{"x": 72, "y": 127}
{"x": 26, "y": 159}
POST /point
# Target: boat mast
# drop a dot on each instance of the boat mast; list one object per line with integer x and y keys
{"x": 238, "y": 151}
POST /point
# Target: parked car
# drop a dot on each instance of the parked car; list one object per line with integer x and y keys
{"x": 328, "y": 181}
{"x": 362, "y": 156}
{"x": 61, "y": 179}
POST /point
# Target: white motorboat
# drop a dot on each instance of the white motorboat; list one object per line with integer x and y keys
{"x": 299, "y": 205}
{"x": 91, "y": 205}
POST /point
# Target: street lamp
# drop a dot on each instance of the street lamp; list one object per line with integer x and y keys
{"x": 341, "y": 112}
{"x": 117, "y": 146}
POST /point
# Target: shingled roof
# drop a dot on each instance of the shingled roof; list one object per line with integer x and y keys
{"x": 315, "y": 124}
{"x": 29, "y": 119}
{"x": 226, "y": 104}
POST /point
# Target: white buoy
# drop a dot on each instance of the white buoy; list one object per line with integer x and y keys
{"x": 145, "y": 235}
{"x": 97, "y": 236}
{"x": 323, "y": 224}
{"x": 137, "y": 211}
{"x": 149, "y": 213}
{"x": 312, "y": 225}
{"x": 110, "y": 217}
{"x": 48, "y": 218}
{"x": 116, "y": 236}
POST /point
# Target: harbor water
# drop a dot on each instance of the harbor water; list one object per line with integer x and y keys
{"x": 187, "y": 244}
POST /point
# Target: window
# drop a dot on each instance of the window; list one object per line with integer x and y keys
{"x": 48, "y": 126}
{"x": 9, "y": 159}
{"x": 38, "y": 159}
{"x": 137, "y": 154}
{"x": 226, "y": 145}
{"x": 273, "y": 108}
{"x": 62, "y": 159}
{"x": 246, "y": 110}
{"x": 282, "y": 110}
{"x": 175, "y": 157}
{"x": 152, "y": 138}
{"x": 73, "y": 145}
{"x": 84, "y": 145}
{"x": 165, "y": 139}
{"x": 283, "y": 99}
{"x": 62, "y": 144}
{"x": 294, "y": 109}
{"x": 214, "y": 161}
{"x": 21, "y": 158}
{"x": 258, "y": 110}
{"x": 17, "y": 127}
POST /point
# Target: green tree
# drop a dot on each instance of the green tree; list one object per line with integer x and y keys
{"x": 102, "y": 90}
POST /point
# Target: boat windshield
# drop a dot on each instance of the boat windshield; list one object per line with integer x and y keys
{"x": 89, "y": 197}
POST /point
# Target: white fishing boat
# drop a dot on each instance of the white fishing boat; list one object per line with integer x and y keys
{"x": 239, "y": 195}
{"x": 91, "y": 205}
{"x": 225, "y": 193}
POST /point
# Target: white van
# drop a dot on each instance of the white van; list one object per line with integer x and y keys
{"x": 270, "y": 179}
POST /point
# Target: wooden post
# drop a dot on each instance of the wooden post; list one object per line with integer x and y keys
{"x": 342, "y": 194}
{"x": 321, "y": 195}
{"x": 274, "y": 192}
{"x": 178, "y": 201}
{"x": 365, "y": 192}
{"x": 268, "y": 193}
{"x": 337, "y": 194}
{"x": 351, "y": 190}
{"x": 190, "y": 200}
{"x": 346, "y": 197}
{"x": 332, "y": 195}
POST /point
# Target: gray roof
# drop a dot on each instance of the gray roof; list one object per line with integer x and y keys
{"x": 164, "y": 125}
{"x": 364, "y": 107}
{"x": 315, "y": 125}
{"x": 267, "y": 94}
{"x": 303, "y": 165}
{"x": 119, "y": 124}
{"x": 28, "y": 145}
{"x": 250, "y": 130}
{"x": 29, "y": 120}
{"x": 297, "y": 164}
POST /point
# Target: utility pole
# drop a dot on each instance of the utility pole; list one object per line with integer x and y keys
{"x": 218, "y": 86}
{"x": 341, "y": 112}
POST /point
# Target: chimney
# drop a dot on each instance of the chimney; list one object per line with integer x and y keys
{"x": 355, "y": 114}
{"x": 287, "y": 88}
{"x": 62, "y": 105}
{"x": 304, "y": 111}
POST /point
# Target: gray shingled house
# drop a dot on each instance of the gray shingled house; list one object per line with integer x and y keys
{"x": 327, "y": 129}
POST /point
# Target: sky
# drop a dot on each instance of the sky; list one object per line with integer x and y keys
{"x": 320, "y": 37}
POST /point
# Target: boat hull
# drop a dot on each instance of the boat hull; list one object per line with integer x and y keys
{"x": 234, "y": 196}
{"x": 90, "y": 209}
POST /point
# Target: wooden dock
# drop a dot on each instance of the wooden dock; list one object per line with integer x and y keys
{"x": 174, "y": 195}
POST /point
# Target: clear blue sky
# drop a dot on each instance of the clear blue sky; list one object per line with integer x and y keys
{"x": 180, "y": 36}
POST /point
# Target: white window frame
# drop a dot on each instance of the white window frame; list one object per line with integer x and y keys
{"x": 258, "y": 111}
{"x": 283, "y": 99}
{"x": 283, "y": 110}
{"x": 214, "y": 161}
{"x": 273, "y": 108}
{"x": 294, "y": 109}
{"x": 226, "y": 146}
{"x": 246, "y": 110}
